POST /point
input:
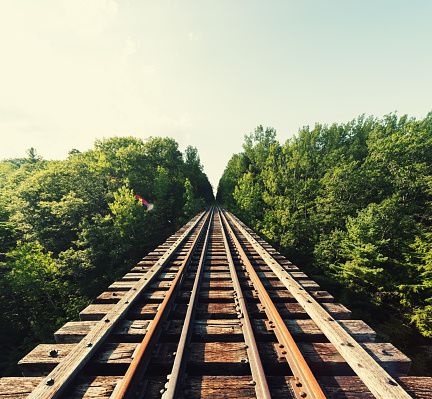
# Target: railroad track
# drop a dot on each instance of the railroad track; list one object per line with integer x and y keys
{"x": 215, "y": 312}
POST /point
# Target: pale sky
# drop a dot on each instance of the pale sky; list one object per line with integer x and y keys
{"x": 204, "y": 72}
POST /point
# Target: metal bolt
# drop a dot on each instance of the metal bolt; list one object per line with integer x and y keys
{"x": 126, "y": 301}
{"x": 281, "y": 346}
{"x": 303, "y": 394}
{"x": 107, "y": 321}
{"x": 246, "y": 346}
{"x": 114, "y": 294}
{"x": 89, "y": 344}
{"x": 253, "y": 383}
{"x": 53, "y": 353}
{"x": 49, "y": 382}
{"x": 284, "y": 352}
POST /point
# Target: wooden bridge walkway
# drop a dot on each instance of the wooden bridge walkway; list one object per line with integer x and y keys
{"x": 215, "y": 312}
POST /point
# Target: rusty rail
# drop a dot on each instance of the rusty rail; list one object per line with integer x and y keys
{"x": 172, "y": 387}
{"x": 258, "y": 374}
{"x": 306, "y": 385}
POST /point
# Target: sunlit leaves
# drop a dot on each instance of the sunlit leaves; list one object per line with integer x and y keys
{"x": 349, "y": 199}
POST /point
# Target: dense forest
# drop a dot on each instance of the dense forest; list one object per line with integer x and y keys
{"x": 69, "y": 228}
{"x": 351, "y": 204}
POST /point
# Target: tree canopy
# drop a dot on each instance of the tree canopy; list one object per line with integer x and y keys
{"x": 351, "y": 202}
{"x": 69, "y": 228}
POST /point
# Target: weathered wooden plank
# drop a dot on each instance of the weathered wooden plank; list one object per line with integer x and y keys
{"x": 17, "y": 387}
{"x": 229, "y": 387}
{"x": 126, "y": 331}
{"x": 301, "y": 330}
{"x": 144, "y": 312}
{"x": 43, "y": 359}
{"x": 121, "y": 286}
{"x": 285, "y": 296}
{"x": 95, "y": 312}
{"x": 133, "y": 276}
{"x": 307, "y": 330}
{"x": 217, "y": 275}
{"x": 208, "y": 284}
{"x": 73, "y": 331}
{"x": 348, "y": 387}
{"x": 324, "y": 359}
{"x": 117, "y": 356}
{"x": 296, "y": 311}
{"x": 92, "y": 387}
{"x": 85, "y": 387}
{"x": 218, "y": 268}
{"x": 109, "y": 297}
{"x": 208, "y": 295}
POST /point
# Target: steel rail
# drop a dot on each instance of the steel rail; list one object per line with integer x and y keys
{"x": 257, "y": 370}
{"x": 379, "y": 382}
{"x": 172, "y": 386}
{"x": 141, "y": 359}
{"x": 306, "y": 385}
{"x": 58, "y": 380}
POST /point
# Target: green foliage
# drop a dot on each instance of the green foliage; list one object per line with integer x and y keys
{"x": 362, "y": 246}
{"x": 351, "y": 202}
{"x": 79, "y": 227}
{"x": 32, "y": 275}
{"x": 192, "y": 205}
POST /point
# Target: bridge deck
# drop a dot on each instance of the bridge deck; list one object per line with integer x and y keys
{"x": 215, "y": 312}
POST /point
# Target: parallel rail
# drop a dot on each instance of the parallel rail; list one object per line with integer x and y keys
{"x": 215, "y": 312}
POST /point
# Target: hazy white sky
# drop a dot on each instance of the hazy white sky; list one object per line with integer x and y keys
{"x": 204, "y": 72}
